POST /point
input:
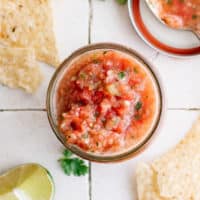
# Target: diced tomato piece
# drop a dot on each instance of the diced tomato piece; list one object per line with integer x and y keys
{"x": 105, "y": 106}
{"x": 120, "y": 110}
{"x": 126, "y": 92}
{"x": 120, "y": 128}
{"x": 111, "y": 113}
{"x": 98, "y": 96}
{"x": 76, "y": 124}
{"x": 85, "y": 96}
{"x": 133, "y": 80}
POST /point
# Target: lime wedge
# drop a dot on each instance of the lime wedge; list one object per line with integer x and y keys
{"x": 26, "y": 182}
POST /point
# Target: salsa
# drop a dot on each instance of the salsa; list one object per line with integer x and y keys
{"x": 106, "y": 102}
{"x": 180, "y": 13}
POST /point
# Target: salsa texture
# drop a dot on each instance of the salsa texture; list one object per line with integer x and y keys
{"x": 179, "y": 13}
{"x": 106, "y": 102}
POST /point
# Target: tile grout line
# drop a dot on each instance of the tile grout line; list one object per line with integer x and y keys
{"x": 154, "y": 58}
{"x": 44, "y": 110}
{"x": 90, "y": 20}
{"x": 90, "y": 181}
{"x": 23, "y": 110}
{"x": 185, "y": 109}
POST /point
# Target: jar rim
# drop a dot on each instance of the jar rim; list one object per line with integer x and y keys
{"x": 131, "y": 152}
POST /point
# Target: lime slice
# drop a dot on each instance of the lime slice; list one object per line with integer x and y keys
{"x": 26, "y": 182}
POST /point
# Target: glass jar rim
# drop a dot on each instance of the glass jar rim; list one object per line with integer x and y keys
{"x": 131, "y": 152}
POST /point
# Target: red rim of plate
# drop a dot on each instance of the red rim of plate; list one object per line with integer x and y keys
{"x": 135, "y": 12}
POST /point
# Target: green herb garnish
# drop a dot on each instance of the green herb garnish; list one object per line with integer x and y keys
{"x": 67, "y": 153}
{"x": 97, "y": 144}
{"x": 72, "y": 165}
{"x": 121, "y": 75}
{"x": 137, "y": 117}
{"x": 85, "y": 136}
{"x": 105, "y": 52}
{"x": 96, "y": 61}
{"x": 122, "y": 2}
{"x": 96, "y": 114}
{"x": 82, "y": 75}
{"x": 169, "y": 1}
{"x": 194, "y": 16}
{"x": 135, "y": 70}
{"x": 138, "y": 105}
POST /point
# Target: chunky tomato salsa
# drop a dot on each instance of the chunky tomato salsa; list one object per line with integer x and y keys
{"x": 180, "y": 13}
{"x": 106, "y": 102}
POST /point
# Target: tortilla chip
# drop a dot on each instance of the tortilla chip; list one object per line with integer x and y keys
{"x": 19, "y": 69}
{"x": 146, "y": 183}
{"x": 176, "y": 174}
{"x": 179, "y": 169}
{"x": 28, "y": 24}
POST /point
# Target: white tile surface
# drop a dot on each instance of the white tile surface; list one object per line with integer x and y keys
{"x": 16, "y": 98}
{"x": 117, "y": 181}
{"x": 71, "y": 29}
{"x": 111, "y": 24}
{"x": 180, "y": 76}
{"x": 181, "y": 79}
{"x": 26, "y": 137}
{"x": 71, "y": 24}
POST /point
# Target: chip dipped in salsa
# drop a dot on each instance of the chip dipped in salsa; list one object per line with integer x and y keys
{"x": 184, "y": 14}
{"x": 106, "y": 102}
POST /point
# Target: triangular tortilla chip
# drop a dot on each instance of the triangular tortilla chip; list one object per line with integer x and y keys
{"x": 176, "y": 174}
{"x": 26, "y": 24}
{"x": 146, "y": 183}
{"x": 19, "y": 69}
{"x": 179, "y": 169}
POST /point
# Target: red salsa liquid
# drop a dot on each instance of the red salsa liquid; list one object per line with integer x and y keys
{"x": 180, "y": 13}
{"x": 106, "y": 102}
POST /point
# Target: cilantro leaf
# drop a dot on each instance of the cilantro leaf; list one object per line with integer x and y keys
{"x": 72, "y": 165}
{"x": 169, "y": 1}
{"x": 67, "y": 153}
{"x": 194, "y": 16}
{"x": 65, "y": 164}
{"x": 79, "y": 167}
{"x": 122, "y": 2}
{"x": 138, "y": 105}
{"x": 121, "y": 75}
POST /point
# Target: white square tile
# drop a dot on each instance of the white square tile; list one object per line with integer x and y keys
{"x": 71, "y": 30}
{"x": 117, "y": 181}
{"x": 27, "y": 137}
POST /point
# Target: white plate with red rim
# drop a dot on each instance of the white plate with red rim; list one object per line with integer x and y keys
{"x": 159, "y": 36}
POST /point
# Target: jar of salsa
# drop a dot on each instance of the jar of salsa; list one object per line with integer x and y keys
{"x": 105, "y": 102}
